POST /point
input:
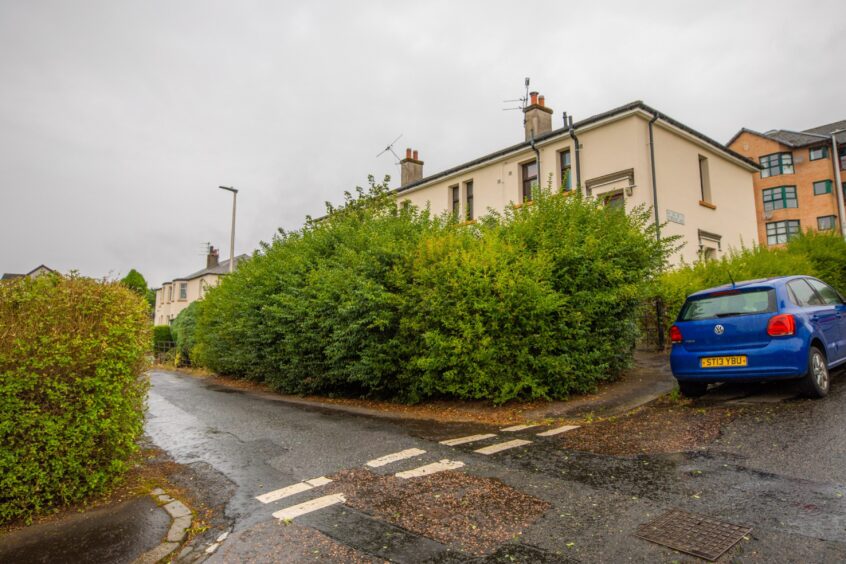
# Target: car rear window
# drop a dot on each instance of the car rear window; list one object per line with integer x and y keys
{"x": 729, "y": 303}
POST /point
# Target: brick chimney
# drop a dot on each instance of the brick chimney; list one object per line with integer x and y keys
{"x": 537, "y": 117}
{"x": 213, "y": 258}
{"x": 411, "y": 168}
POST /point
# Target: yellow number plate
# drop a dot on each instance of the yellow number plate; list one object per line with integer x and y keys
{"x": 723, "y": 361}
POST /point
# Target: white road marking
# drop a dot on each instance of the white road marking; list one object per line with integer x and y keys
{"x": 313, "y": 505}
{"x": 499, "y": 447}
{"x": 293, "y": 489}
{"x": 284, "y": 492}
{"x": 432, "y": 468}
{"x": 558, "y": 430}
{"x": 519, "y": 427}
{"x": 470, "y": 439}
{"x": 389, "y": 458}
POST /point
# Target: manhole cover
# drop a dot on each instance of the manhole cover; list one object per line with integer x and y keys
{"x": 694, "y": 534}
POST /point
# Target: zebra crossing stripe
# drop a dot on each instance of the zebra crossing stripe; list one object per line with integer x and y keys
{"x": 432, "y": 468}
{"x": 470, "y": 439}
{"x": 514, "y": 428}
{"x": 401, "y": 455}
{"x": 558, "y": 430}
{"x": 293, "y": 489}
{"x": 499, "y": 447}
{"x": 295, "y": 511}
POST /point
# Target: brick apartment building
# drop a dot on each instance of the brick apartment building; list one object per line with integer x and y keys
{"x": 795, "y": 190}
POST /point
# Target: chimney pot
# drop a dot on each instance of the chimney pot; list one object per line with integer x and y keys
{"x": 537, "y": 117}
{"x": 541, "y": 100}
{"x": 411, "y": 169}
{"x": 414, "y": 155}
{"x": 213, "y": 257}
{"x": 533, "y": 96}
{"x": 408, "y": 152}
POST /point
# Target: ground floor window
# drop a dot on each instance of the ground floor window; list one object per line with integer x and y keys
{"x": 781, "y": 231}
{"x": 825, "y": 222}
{"x": 530, "y": 179}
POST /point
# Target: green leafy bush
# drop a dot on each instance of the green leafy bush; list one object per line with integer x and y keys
{"x": 815, "y": 254}
{"x": 183, "y": 331}
{"x": 162, "y": 338}
{"x": 381, "y": 299}
{"x": 71, "y": 401}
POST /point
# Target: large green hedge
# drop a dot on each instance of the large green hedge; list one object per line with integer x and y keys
{"x": 819, "y": 254}
{"x": 71, "y": 401}
{"x": 381, "y": 299}
{"x": 183, "y": 333}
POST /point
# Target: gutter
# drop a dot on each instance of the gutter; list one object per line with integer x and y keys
{"x": 655, "y": 116}
{"x": 575, "y": 139}
{"x": 537, "y": 157}
{"x": 835, "y": 161}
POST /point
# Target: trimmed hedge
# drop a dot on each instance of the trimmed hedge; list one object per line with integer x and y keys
{"x": 71, "y": 401}
{"x": 183, "y": 333}
{"x": 381, "y": 299}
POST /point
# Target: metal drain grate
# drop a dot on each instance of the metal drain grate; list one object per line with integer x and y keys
{"x": 694, "y": 534}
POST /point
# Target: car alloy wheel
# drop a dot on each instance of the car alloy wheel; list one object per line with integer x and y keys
{"x": 820, "y": 371}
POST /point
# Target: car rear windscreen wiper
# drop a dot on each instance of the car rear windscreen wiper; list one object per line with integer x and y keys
{"x": 733, "y": 313}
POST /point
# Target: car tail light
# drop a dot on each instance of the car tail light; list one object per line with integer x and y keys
{"x": 675, "y": 334}
{"x": 781, "y": 325}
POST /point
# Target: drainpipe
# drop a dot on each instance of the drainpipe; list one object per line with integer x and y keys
{"x": 578, "y": 162}
{"x": 537, "y": 156}
{"x": 835, "y": 159}
{"x": 659, "y": 305}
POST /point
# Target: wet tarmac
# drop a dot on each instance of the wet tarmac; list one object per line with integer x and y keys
{"x": 780, "y": 468}
{"x": 118, "y": 533}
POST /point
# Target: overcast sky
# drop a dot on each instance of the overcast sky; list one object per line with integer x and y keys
{"x": 119, "y": 119}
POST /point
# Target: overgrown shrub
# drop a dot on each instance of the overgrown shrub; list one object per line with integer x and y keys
{"x": 381, "y": 299}
{"x": 162, "y": 338}
{"x": 71, "y": 401}
{"x": 183, "y": 331}
{"x": 815, "y": 254}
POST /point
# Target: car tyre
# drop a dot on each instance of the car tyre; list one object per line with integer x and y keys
{"x": 693, "y": 389}
{"x": 817, "y": 381}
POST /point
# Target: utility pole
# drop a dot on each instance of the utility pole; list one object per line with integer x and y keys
{"x": 232, "y": 235}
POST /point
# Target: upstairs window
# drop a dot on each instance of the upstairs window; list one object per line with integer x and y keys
{"x": 468, "y": 200}
{"x": 825, "y": 223}
{"x": 818, "y": 153}
{"x": 822, "y": 187}
{"x": 779, "y": 232}
{"x": 183, "y": 290}
{"x": 842, "y": 153}
{"x": 779, "y": 198}
{"x": 456, "y": 201}
{"x": 704, "y": 179}
{"x": 566, "y": 181}
{"x": 776, "y": 164}
{"x": 170, "y": 293}
{"x": 530, "y": 179}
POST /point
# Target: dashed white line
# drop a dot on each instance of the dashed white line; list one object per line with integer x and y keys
{"x": 432, "y": 468}
{"x": 389, "y": 458}
{"x": 293, "y": 489}
{"x": 558, "y": 431}
{"x": 313, "y": 505}
{"x": 514, "y": 428}
{"x": 499, "y": 447}
{"x": 470, "y": 439}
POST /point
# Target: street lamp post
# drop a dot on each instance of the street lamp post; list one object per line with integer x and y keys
{"x": 232, "y": 235}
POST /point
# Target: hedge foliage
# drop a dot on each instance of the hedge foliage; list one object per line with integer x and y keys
{"x": 381, "y": 299}
{"x": 819, "y": 254}
{"x": 162, "y": 337}
{"x": 71, "y": 401}
{"x": 183, "y": 331}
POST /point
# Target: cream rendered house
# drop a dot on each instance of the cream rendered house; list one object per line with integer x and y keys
{"x": 628, "y": 156}
{"x": 176, "y": 295}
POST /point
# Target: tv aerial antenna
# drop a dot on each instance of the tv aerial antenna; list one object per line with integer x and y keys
{"x": 524, "y": 101}
{"x": 390, "y": 148}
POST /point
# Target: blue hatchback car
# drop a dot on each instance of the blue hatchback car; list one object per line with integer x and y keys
{"x": 768, "y": 329}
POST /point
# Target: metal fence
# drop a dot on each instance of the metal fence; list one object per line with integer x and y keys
{"x": 652, "y": 326}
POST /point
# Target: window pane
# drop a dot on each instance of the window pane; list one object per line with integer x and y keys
{"x": 828, "y": 294}
{"x": 803, "y": 293}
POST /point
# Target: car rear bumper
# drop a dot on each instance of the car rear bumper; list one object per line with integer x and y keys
{"x": 781, "y": 359}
